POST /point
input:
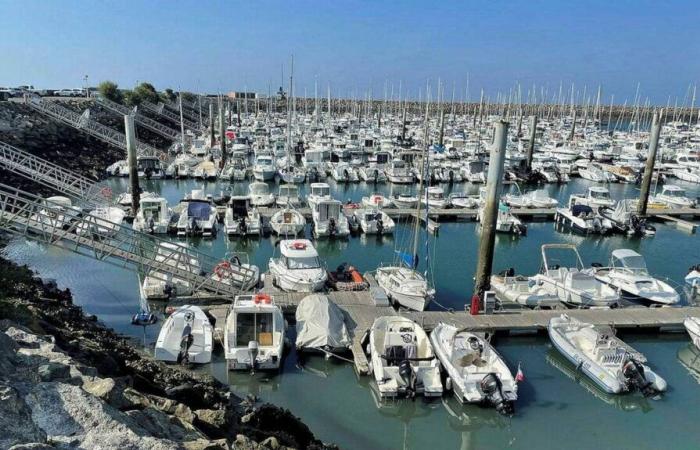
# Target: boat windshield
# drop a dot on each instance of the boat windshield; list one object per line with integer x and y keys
{"x": 301, "y": 263}
{"x": 259, "y": 189}
{"x": 600, "y": 194}
{"x": 678, "y": 193}
{"x": 254, "y": 327}
{"x": 633, "y": 262}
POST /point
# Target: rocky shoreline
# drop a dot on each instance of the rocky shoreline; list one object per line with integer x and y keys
{"x": 67, "y": 381}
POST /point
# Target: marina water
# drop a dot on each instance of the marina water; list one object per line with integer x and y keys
{"x": 556, "y": 408}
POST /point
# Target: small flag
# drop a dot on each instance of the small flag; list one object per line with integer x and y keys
{"x": 519, "y": 376}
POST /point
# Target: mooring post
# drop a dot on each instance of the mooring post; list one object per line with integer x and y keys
{"x": 129, "y": 130}
{"x": 211, "y": 126}
{"x": 442, "y": 128}
{"x": 531, "y": 146}
{"x": 649, "y": 169}
{"x": 222, "y": 133}
{"x": 488, "y": 218}
{"x": 573, "y": 127}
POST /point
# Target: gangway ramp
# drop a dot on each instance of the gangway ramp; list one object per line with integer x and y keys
{"x": 84, "y": 123}
{"x": 86, "y": 191}
{"x": 161, "y": 110}
{"x": 35, "y": 218}
{"x": 140, "y": 119}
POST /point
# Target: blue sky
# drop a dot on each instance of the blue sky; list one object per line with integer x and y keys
{"x": 356, "y": 45}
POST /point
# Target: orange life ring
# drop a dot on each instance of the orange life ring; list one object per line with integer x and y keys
{"x": 262, "y": 298}
{"x": 221, "y": 269}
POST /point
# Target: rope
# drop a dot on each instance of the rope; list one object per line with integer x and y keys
{"x": 333, "y": 354}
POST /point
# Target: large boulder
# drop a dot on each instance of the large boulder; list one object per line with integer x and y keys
{"x": 16, "y": 420}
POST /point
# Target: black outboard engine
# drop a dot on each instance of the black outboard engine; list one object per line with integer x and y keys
{"x": 520, "y": 229}
{"x": 491, "y": 386}
{"x": 253, "y": 350}
{"x": 380, "y": 224}
{"x": 634, "y": 375}
{"x": 148, "y": 172}
{"x": 151, "y": 225}
{"x": 244, "y": 226}
{"x": 408, "y": 377}
{"x": 331, "y": 227}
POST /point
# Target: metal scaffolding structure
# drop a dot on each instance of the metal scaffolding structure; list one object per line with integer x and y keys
{"x": 141, "y": 119}
{"x": 161, "y": 110}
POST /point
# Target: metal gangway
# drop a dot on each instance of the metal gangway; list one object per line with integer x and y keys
{"x": 29, "y": 215}
{"x": 161, "y": 110}
{"x": 84, "y": 123}
{"x": 86, "y": 191}
{"x": 187, "y": 113}
{"x": 141, "y": 119}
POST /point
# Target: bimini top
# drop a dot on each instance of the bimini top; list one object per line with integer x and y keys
{"x": 629, "y": 258}
{"x": 298, "y": 248}
{"x": 199, "y": 210}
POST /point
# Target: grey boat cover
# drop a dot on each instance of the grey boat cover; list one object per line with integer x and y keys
{"x": 320, "y": 323}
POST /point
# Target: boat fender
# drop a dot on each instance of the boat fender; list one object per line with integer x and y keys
{"x": 448, "y": 383}
{"x": 221, "y": 269}
{"x": 356, "y": 276}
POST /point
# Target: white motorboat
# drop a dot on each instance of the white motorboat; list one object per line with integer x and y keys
{"x": 506, "y": 222}
{"x": 288, "y": 195}
{"x": 475, "y": 370}
{"x": 374, "y": 221}
{"x": 402, "y": 361}
{"x": 242, "y": 219}
{"x": 58, "y": 213}
{"x": 398, "y": 172}
{"x": 435, "y": 198}
{"x": 610, "y": 363}
{"x": 474, "y": 171}
{"x": 595, "y": 172}
{"x": 625, "y": 219}
{"x": 692, "y": 325}
{"x": 292, "y": 174}
{"x": 206, "y": 170}
{"x": 298, "y": 268}
{"x": 404, "y": 201}
{"x": 320, "y": 325}
{"x": 235, "y": 269}
{"x": 118, "y": 169}
{"x": 254, "y": 334}
{"x": 563, "y": 275}
{"x": 260, "y": 194}
{"x": 673, "y": 197}
{"x": 264, "y": 168}
{"x": 524, "y": 291}
{"x": 462, "y": 200}
{"x": 287, "y": 222}
{"x": 318, "y": 193}
{"x": 149, "y": 167}
{"x": 158, "y": 285}
{"x": 540, "y": 199}
{"x": 689, "y": 174}
{"x": 343, "y": 172}
{"x": 186, "y": 337}
{"x": 198, "y": 216}
{"x": 595, "y": 196}
{"x": 377, "y": 201}
{"x": 329, "y": 220}
{"x": 629, "y": 275}
{"x": 372, "y": 174}
{"x": 405, "y": 286}
{"x": 582, "y": 219}
{"x": 153, "y": 216}
{"x": 104, "y": 221}
{"x": 124, "y": 199}
{"x": 692, "y": 282}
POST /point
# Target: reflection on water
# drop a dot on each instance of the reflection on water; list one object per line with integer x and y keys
{"x": 625, "y": 402}
{"x": 689, "y": 356}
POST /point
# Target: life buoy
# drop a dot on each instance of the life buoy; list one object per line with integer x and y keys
{"x": 356, "y": 276}
{"x": 222, "y": 268}
{"x": 377, "y": 199}
{"x": 262, "y": 298}
{"x": 106, "y": 192}
{"x": 299, "y": 246}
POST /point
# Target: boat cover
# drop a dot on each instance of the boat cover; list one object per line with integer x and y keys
{"x": 320, "y": 323}
{"x": 199, "y": 210}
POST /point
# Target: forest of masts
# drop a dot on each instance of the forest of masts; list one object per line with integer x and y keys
{"x": 583, "y": 106}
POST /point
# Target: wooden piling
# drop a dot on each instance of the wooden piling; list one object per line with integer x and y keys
{"x": 488, "y": 218}
{"x": 129, "y": 130}
{"x": 649, "y": 170}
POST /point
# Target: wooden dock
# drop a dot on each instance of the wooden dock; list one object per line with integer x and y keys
{"x": 361, "y": 308}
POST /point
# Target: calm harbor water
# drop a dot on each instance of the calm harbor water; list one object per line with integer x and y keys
{"x": 556, "y": 407}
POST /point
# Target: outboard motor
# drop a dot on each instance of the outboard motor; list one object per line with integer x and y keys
{"x": 151, "y": 225}
{"x": 244, "y": 226}
{"x": 148, "y": 172}
{"x": 406, "y": 373}
{"x": 380, "y": 224}
{"x": 491, "y": 386}
{"x": 520, "y": 229}
{"x": 634, "y": 375}
{"x": 192, "y": 226}
{"x": 253, "y": 351}
{"x": 331, "y": 227}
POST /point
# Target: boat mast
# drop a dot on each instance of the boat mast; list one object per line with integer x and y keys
{"x": 289, "y": 112}
{"x": 420, "y": 185}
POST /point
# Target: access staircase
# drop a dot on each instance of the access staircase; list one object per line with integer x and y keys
{"x": 29, "y": 215}
{"x": 140, "y": 119}
{"x": 162, "y": 111}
